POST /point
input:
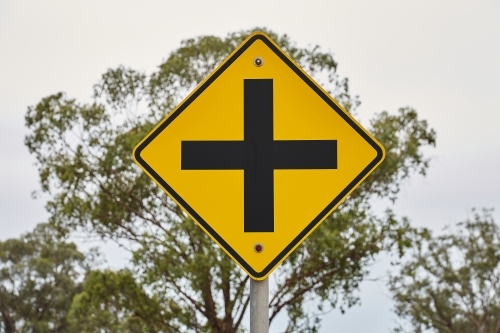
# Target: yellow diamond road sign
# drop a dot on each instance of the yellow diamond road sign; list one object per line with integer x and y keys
{"x": 258, "y": 155}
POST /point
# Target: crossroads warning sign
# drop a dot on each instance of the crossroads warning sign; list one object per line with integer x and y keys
{"x": 258, "y": 155}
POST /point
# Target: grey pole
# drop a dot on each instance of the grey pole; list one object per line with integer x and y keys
{"x": 259, "y": 306}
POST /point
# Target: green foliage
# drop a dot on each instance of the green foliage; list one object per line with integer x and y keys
{"x": 403, "y": 136}
{"x": 452, "y": 282}
{"x": 39, "y": 275}
{"x": 84, "y": 160}
{"x": 113, "y": 302}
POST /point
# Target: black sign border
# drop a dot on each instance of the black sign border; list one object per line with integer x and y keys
{"x": 315, "y": 221}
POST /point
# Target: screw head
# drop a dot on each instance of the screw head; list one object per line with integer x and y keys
{"x": 258, "y": 247}
{"x": 258, "y": 61}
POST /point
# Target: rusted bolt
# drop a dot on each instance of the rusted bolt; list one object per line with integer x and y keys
{"x": 258, "y": 247}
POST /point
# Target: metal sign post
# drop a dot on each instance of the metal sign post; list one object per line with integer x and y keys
{"x": 259, "y": 306}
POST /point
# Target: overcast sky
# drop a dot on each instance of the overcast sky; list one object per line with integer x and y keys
{"x": 441, "y": 57}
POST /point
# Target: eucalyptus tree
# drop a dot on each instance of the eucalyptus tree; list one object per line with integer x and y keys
{"x": 84, "y": 161}
{"x": 113, "y": 302}
{"x": 39, "y": 275}
{"x": 48, "y": 286}
{"x": 451, "y": 284}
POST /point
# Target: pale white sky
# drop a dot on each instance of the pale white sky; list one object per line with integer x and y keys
{"x": 439, "y": 56}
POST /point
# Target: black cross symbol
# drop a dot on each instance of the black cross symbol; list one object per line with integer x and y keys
{"x": 258, "y": 155}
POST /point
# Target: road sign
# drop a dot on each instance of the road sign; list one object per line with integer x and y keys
{"x": 258, "y": 155}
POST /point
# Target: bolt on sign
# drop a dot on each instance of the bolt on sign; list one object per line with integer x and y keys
{"x": 258, "y": 155}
